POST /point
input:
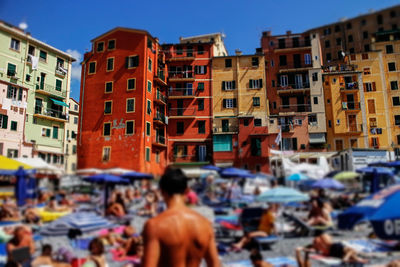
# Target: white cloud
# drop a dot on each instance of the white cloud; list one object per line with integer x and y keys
{"x": 23, "y": 26}
{"x": 76, "y": 67}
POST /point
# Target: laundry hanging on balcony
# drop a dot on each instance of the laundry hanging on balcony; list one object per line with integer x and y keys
{"x": 34, "y": 61}
{"x": 58, "y": 102}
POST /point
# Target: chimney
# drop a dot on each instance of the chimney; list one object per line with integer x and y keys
{"x": 288, "y": 32}
{"x": 266, "y": 33}
{"x": 238, "y": 52}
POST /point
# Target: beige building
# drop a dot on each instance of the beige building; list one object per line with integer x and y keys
{"x": 71, "y": 132}
{"x": 217, "y": 39}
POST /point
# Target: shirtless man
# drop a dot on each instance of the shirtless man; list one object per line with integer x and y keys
{"x": 179, "y": 236}
{"x": 22, "y": 238}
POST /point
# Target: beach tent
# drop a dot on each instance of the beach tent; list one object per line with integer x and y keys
{"x": 376, "y": 174}
{"x": 10, "y": 166}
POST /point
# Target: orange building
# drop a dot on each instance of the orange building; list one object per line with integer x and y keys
{"x": 123, "y": 101}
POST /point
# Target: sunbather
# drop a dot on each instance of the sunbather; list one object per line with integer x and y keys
{"x": 265, "y": 228}
{"x": 21, "y": 238}
{"x": 53, "y": 206}
{"x": 117, "y": 207}
{"x": 96, "y": 258}
{"x": 324, "y": 245}
{"x": 319, "y": 214}
{"x": 31, "y": 216}
{"x": 151, "y": 205}
{"x": 257, "y": 260}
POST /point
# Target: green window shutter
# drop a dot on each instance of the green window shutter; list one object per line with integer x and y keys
{"x": 55, "y": 132}
{"x": 20, "y": 91}
{"x": 223, "y": 86}
{"x": 224, "y": 103}
{"x": 149, "y": 86}
{"x": 234, "y": 84}
{"x": 136, "y": 61}
{"x": 251, "y": 84}
{"x": 175, "y": 150}
{"x": 5, "y": 121}
{"x": 13, "y": 125}
{"x": 11, "y": 69}
{"x": 127, "y": 62}
{"x": 48, "y": 132}
{"x": 234, "y": 102}
{"x": 58, "y": 85}
{"x": 260, "y": 83}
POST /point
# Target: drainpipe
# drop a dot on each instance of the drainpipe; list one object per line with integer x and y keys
{"x": 145, "y": 104}
{"x": 82, "y": 99}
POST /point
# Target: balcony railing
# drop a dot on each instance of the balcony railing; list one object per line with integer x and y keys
{"x": 184, "y": 112}
{"x": 161, "y": 97}
{"x": 355, "y": 128}
{"x": 295, "y": 108}
{"x": 350, "y": 106}
{"x": 295, "y": 65}
{"x": 160, "y": 75}
{"x": 57, "y": 114}
{"x": 339, "y": 68}
{"x": 181, "y": 92}
{"x": 50, "y": 89}
{"x": 226, "y": 129}
{"x": 181, "y": 74}
{"x": 159, "y": 139}
{"x": 159, "y": 117}
{"x": 304, "y": 85}
{"x": 61, "y": 70}
{"x": 290, "y": 43}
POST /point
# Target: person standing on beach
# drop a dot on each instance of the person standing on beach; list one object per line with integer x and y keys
{"x": 179, "y": 236}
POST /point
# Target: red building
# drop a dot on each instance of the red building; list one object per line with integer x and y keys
{"x": 123, "y": 103}
{"x": 189, "y": 103}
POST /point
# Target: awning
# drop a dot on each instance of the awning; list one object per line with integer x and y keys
{"x": 58, "y": 102}
{"x": 317, "y": 138}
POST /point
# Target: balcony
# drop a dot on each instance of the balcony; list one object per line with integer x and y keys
{"x": 160, "y": 98}
{"x": 339, "y": 68}
{"x": 195, "y": 159}
{"x": 182, "y": 55}
{"x": 352, "y": 86}
{"x": 160, "y": 141}
{"x": 351, "y": 106}
{"x": 294, "y": 44}
{"x": 225, "y": 129}
{"x": 181, "y": 76}
{"x": 292, "y": 109}
{"x": 355, "y": 128}
{"x": 159, "y": 118}
{"x": 287, "y": 128}
{"x": 50, "y": 114}
{"x": 293, "y": 88}
{"x": 182, "y": 113}
{"x": 181, "y": 93}
{"x": 295, "y": 66}
{"x": 47, "y": 89}
{"x": 160, "y": 77}
{"x": 61, "y": 71}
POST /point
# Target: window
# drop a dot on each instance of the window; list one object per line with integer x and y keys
{"x": 228, "y": 85}
{"x": 111, "y": 44}
{"x": 131, "y": 62}
{"x": 109, "y": 87}
{"x": 327, "y": 44}
{"x": 348, "y": 26}
{"x": 364, "y": 56}
{"x": 254, "y": 61}
{"x": 92, "y": 67}
{"x": 281, "y": 43}
{"x": 201, "y": 127}
{"x": 365, "y": 35}
{"x": 246, "y": 122}
{"x": 367, "y": 71}
{"x": 47, "y": 132}
{"x": 148, "y": 154}
{"x": 43, "y": 56}
{"x": 149, "y": 86}
{"x": 3, "y": 121}
{"x": 148, "y": 128}
{"x": 307, "y": 59}
{"x": 76, "y": 107}
{"x": 200, "y": 104}
{"x": 55, "y": 132}
{"x": 130, "y": 105}
{"x": 13, "y": 126}
{"x": 222, "y": 142}
{"x": 379, "y": 19}
{"x": 106, "y": 154}
{"x": 73, "y": 149}
{"x": 256, "y": 101}
{"x": 107, "y": 129}
{"x": 284, "y": 80}
{"x": 131, "y": 84}
{"x": 108, "y": 107}
{"x": 100, "y": 46}
{"x": 397, "y": 120}
{"x": 14, "y": 44}
{"x": 75, "y": 120}
{"x": 28, "y": 78}
{"x": 273, "y": 83}
{"x": 110, "y": 64}
{"x": 389, "y": 49}
{"x": 315, "y": 100}
{"x": 148, "y": 106}
{"x": 373, "y": 123}
{"x": 200, "y": 86}
{"x": 255, "y": 146}
{"x": 130, "y": 127}
{"x": 228, "y": 63}
{"x": 338, "y": 41}
{"x": 200, "y": 69}
{"x": 370, "y": 87}
{"x": 257, "y": 122}
{"x": 150, "y": 65}
{"x": 312, "y": 119}
{"x": 12, "y": 153}
{"x": 328, "y": 56}
{"x": 398, "y": 139}
{"x": 392, "y": 66}
{"x": 371, "y": 106}
{"x": 229, "y": 103}
{"x": 200, "y": 50}
{"x": 375, "y": 142}
{"x": 350, "y": 38}
{"x": 272, "y": 63}
{"x": 366, "y": 48}
{"x": 255, "y": 84}
{"x": 337, "y": 28}
{"x": 11, "y": 69}
{"x": 315, "y": 76}
{"x": 180, "y": 127}
{"x": 58, "y": 85}
{"x": 149, "y": 43}
{"x": 282, "y": 60}
{"x": 339, "y": 144}
{"x": 394, "y": 85}
{"x": 396, "y": 100}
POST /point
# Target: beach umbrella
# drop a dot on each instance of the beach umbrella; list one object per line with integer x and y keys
{"x": 137, "y": 176}
{"x": 378, "y": 164}
{"x": 377, "y": 207}
{"x": 393, "y": 164}
{"x": 282, "y": 195}
{"x": 346, "y": 175}
{"x": 7, "y": 164}
{"x": 232, "y": 172}
{"x": 328, "y": 183}
{"x": 375, "y": 170}
{"x": 297, "y": 177}
{"x": 332, "y": 173}
{"x": 20, "y": 187}
{"x": 211, "y": 168}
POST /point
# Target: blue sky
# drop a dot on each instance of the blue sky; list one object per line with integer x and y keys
{"x": 70, "y": 25}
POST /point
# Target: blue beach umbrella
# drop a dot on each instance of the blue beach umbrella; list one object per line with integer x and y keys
{"x": 235, "y": 173}
{"x": 282, "y": 195}
{"x": 297, "y": 177}
{"x": 137, "y": 176}
{"x": 377, "y": 170}
{"x": 20, "y": 187}
{"x": 328, "y": 183}
{"x": 211, "y": 168}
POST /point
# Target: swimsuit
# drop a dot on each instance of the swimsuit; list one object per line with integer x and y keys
{"x": 336, "y": 250}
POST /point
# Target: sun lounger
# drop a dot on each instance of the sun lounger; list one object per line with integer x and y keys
{"x": 265, "y": 241}
{"x": 250, "y": 219}
{"x": 302, "y": 228}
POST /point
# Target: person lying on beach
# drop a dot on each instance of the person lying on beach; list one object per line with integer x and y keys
{"x": 64, "y": 201}
{"x": 21, "y": 238}
{"x": 31, "y": 216}
{"x": 266, "y": 227}
{"x": 151, "y": 205}
{"x": 132, "y": 246}
{"x": 117, "y": 206}
{"x": 324, "y": 245}
{"x": 319, "y": 214}
{"x": 52, "y": 206}
{"x": 96, "y": 257}
{"x": 112, "y": 238}
{"x": 179, "y": 236}
{"x": 7, "y": 214}
{"x": 46, "y": 259}
{"x": 257, "y": 260}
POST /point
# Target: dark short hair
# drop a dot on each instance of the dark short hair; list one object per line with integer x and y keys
{"x": 173, "y": 182}
{"x": 256, "y": 256}
{"x": 96, "y": 242}
{"x": 46, "y": 249}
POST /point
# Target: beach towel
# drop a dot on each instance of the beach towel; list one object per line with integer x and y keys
{"x": 116, "y": 256}
{"x": 276, "y": 262}
{"x": 328, "y": 261}
{"x": 370, "y": 246}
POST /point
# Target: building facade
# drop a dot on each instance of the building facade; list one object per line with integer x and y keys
{"x": 123, "y": 87}
{"x": 37, "y": 77}
{"x": 71, "y": 133}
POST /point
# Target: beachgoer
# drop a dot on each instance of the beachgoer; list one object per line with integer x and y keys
{"x": 31, "y": 216}
{"x": 53, "y": 206}
{"x": 96, "y": 258}
{"x": 45, "y": 259}
{"x": 117, "y": 206}
{"x": 257, "y": 260}
{"x": 266, "y": 227}
{"x": 191, "y": 197}
{"x": 151, "y": 205}
{"x": 21, "y": 238}
{"x": 179, "y": 236}
{"x": 324, "y": 245}
{"x": 319, "y": 214}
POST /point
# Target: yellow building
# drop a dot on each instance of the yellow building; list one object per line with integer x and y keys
{"x": 344, "y": 107}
